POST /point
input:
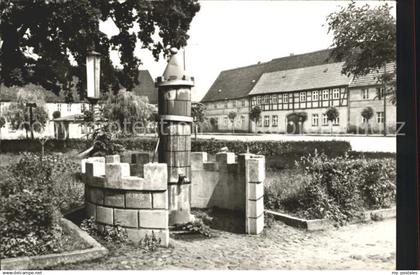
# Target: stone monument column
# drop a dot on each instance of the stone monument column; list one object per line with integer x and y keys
{"x": 174, "y": 105}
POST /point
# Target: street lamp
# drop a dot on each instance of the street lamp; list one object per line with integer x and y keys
{"x": 93, "y": 73}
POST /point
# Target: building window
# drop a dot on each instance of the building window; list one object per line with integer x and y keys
{"x": 336, "y": 94}
{"x": 302, "y": 97}
{"x": 259, "y": 123}
{"x": 325, "y": 95}
{"x": 275, "y": 121}
{"x": 58, "y": 107}
{"x": 68, "y": 107}
{"x": 315, "y": 120}
{"x": 336, "y": 121}
{"x": 280, "y": 99}
{"x": 258, "y": 100}
{"x": 324, "y": 120}
{"x": 285, "y": 98}
{"x": 234, "y": 103}
{"x": 364, "y": 120}
{"x": 226, "y": 121}
{"x": 365, "y": 93}
{"x": 315, "y": 96}
{"x": 243, "y": 103}
{"x": 243, "y": 120}
{"x": 266, "y": 121}
{"x": 379, "y": 93}
{"x": 380, "y": 117}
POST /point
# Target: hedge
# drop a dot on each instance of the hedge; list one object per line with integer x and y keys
{"x": 267, "y": 148}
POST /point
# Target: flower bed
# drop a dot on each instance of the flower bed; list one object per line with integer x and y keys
{"x": 339, "y": 189}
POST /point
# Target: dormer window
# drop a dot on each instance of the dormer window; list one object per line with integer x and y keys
{"x": 220, "y": 90}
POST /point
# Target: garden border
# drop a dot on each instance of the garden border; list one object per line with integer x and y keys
{"x": 322, "y": 224}
{"x": 43, "y": 261}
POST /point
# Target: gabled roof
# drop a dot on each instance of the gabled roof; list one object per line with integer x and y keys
{"x": 237, "y": 83}
{"x": 371, "y": 78}
{"x": 306, "y": 78}
{"x": 146, "y": 87}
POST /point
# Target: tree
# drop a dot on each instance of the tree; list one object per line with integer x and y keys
{"x": 365, "y": 39}
{"x": 232, "y": 115}
{"x": 197, "y": 112}
{"x": 367, "y": 114}
{"x": 332, "y": 114}
{"x": 46, "y": 42}
{"x": 255, "y": 114}
{"x": 127, "y": 109}
{"x": 2, "y": 124}
{"x": 213, "y": 123}
{"x": 19, "y": 115}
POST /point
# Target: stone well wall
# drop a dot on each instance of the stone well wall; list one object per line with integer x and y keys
{"x": 231, "y": 182}
{"x": 131, "y": 194}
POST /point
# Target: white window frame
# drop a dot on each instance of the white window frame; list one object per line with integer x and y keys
{"x": 336, "y": 93}
{"x": 325, "y": 95}
{"x": 365, "y": 93}
{"x": 302, "y": 96}
{"x": 315, "y": 120}
{"x": 315, "y": 95}
{"x": 266, "y": 121}
{"x": 275, "y": 120}
{"x": 380, "y": 117}
{"x": 324, "y": 120}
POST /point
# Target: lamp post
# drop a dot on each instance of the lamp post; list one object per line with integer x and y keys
{"x": 31, "y": 117}
{"x": 93, "y": 74}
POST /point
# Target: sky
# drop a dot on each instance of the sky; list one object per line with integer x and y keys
{"x": 230, "y": 34}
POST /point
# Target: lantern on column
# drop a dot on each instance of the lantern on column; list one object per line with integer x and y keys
{"x": 93, "y": 72}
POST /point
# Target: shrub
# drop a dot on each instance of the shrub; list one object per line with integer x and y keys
{"x": 341, "y": 188}
{"x": 110, "y": 234}
{"x": 196, "y": 227}
{"x": 150, "y": 243}
{"x": 377, "y": 184}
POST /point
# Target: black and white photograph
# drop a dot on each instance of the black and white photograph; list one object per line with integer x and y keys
{"x": 198, "y": 135}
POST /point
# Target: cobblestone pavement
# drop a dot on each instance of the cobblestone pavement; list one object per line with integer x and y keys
{"x": 359, "y": 246}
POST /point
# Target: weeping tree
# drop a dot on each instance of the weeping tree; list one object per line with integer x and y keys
{"x": 18, "y": 114}
{"x": 128, "y": 110}
{"x": 45, "y": 42}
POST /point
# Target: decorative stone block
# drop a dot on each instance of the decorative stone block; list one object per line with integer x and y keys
{"x": 90, "y": 210}
{"x": 95, "y": 169}
{"x": 126, "y": 157}
{"x": 197, "y": 160}
{"x": 255, "y": 191}
{"x": 136, "y": 235}
{"x": 96, "y": 196}
{"x": 211, "y": 166}
{"x": 115, "y": 171}
{"x": 138, "y": 200}
{"x": 126, "y": 217}
{"x": 255, "y": 208}
{"x": 256, "y": 169}
{"x": 256, "y": 226}
{"x": 223, "y": 158}
{"x": 136, "y": 170}
{"x": 156, "y": 176}
{"x": 104, "y": 215}
{"x": 112, "y": 159}
{"x": 153, "y": 218}
{"x": 140, "y": 158}
{"x": 114, "y": 198}
{"x": 130, "y": 183}
{"x": 160, "y": 200}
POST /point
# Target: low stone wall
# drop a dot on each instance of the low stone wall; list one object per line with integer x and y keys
{"x": 130, "y": 194}
{"x": 231, "y": 182}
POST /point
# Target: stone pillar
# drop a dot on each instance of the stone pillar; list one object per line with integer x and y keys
{"x": 255, "y": 176}
{"x": 174, "y": 105}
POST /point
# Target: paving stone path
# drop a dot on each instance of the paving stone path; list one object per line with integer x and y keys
{"x": 359, "y": 246}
